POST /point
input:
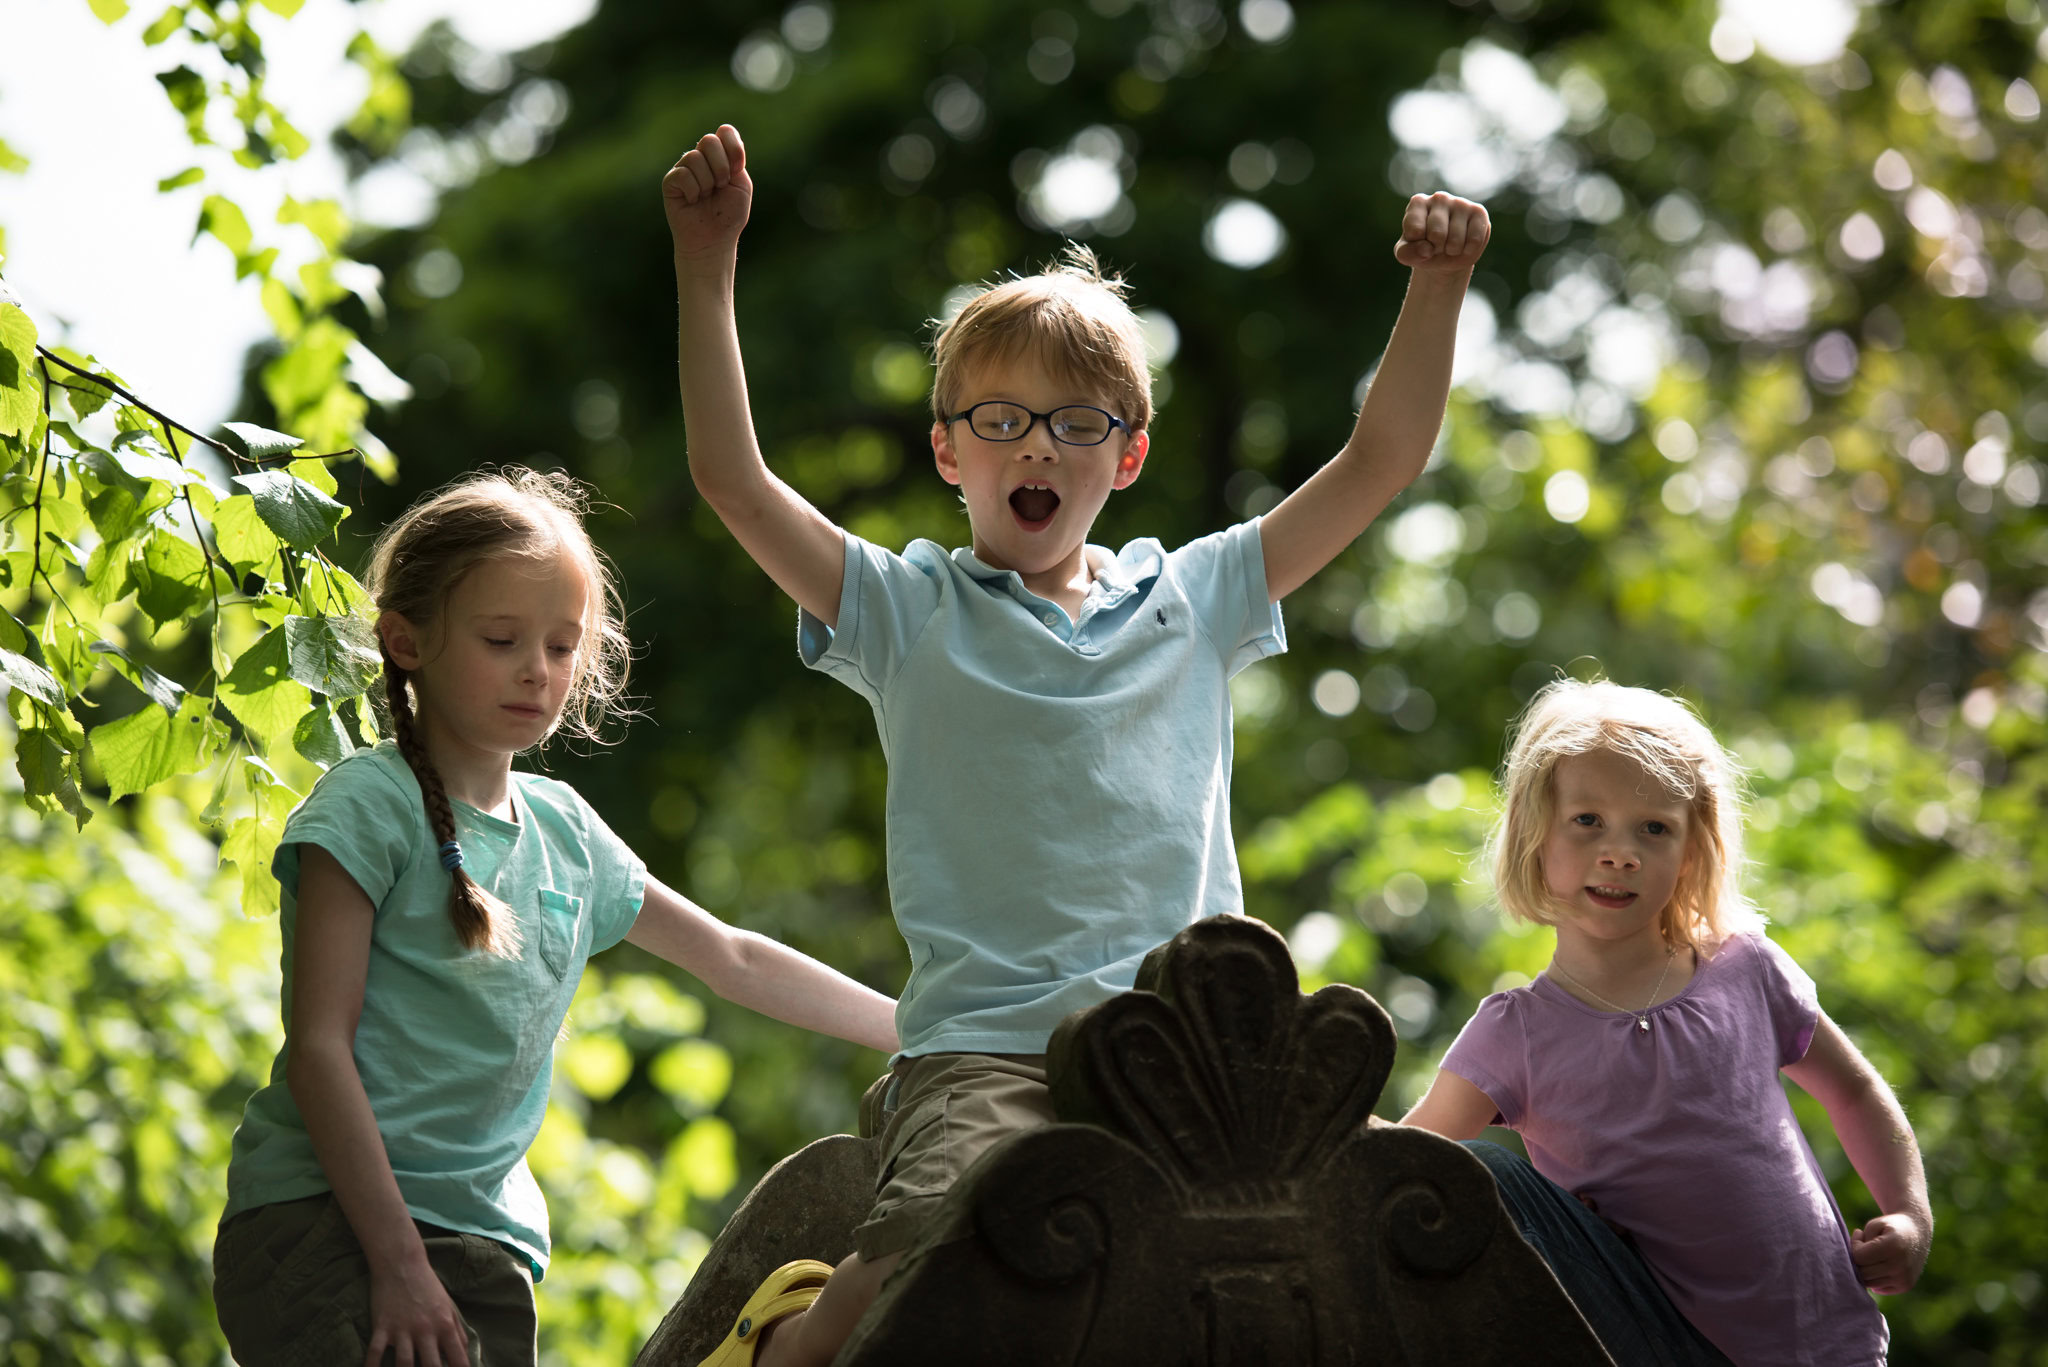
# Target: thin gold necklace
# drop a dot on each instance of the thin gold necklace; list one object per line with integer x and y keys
{"x": 1642, "y": 1016}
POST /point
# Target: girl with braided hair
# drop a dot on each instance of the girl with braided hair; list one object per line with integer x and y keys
{"x": 438, "y": 907}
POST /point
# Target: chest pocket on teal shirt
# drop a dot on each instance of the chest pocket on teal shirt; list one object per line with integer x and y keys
{"x": 560, "y": 915}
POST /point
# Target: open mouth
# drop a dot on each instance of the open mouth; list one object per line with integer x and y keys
{"x": 1611, "y": 897}
{"x": 1034, "y": 505}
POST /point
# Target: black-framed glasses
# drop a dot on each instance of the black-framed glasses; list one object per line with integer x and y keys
{"x": 1075, "y": 424}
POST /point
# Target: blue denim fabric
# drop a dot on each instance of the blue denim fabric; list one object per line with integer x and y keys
{"x": 1605, "y": 1277}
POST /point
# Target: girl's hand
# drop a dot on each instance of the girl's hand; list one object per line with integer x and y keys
{"x": 707, "y": 195}
{"x": 412, "y": 1316}
{"x": 1441, "y": 232}
{"x": 1889, "y": 1253}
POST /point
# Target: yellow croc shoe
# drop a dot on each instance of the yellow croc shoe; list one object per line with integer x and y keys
{"x": 788, "y": 1289}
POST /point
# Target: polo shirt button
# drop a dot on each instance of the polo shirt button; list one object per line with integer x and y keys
{"x": 1052, "y": 619}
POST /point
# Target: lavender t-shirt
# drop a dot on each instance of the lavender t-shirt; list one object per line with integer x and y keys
{"x": 1684, "y": 1137}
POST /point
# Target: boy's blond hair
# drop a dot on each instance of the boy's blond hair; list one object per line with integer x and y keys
{"x": 1667, "y": 738}
{"x": 1069, "y": 316}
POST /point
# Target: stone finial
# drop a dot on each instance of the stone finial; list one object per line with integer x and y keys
{"x": 1219, "y": 1193}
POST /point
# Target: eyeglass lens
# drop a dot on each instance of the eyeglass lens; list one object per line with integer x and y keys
{"x": 1076, "y": 425}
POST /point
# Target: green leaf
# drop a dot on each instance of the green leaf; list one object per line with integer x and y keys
{"x": 300, "y": 515}
{"x": 166, "y": 24}
{"x": 287, "y": 8}
{"x": 110, "y": 571}
{"x": 252, "y": 839}
{"x": 11, "y": 160}
{"x": 185, "y": 87}
{"x": 84, "y": 396}
{"x": 109, "y": 11}
{"x": 328, "y": 589}
{"x": 165, "y": 693}
{"x": 337, "y": 656}
{"x": 259, "y": 443}
{"x": 21, "y": 399}
{"x": 239, "y": 533}
{"x": 142, "y": 456}
{"x": 49, "y": 775}
{"x": 322, "y": 217}
{"x": 67, "y": 653}
{"x": 319, "y": 736}
{"x": 223, "y": 218}
{"x": 25, "y": 674}
{"x": 170, "y": 579}
{"x": 261, "y": 692}
{"x": 116, "y": 511}
{"x": 191, "y": 175}
{"x": 150, "y": 745}
{"x": 308, "y": 371}
{"x": 288, "y": 139}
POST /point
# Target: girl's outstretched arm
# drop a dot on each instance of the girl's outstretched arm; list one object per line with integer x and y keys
{"x": 410, "y": 1311}
{"x": 1453, "y": 1108}
{"x": 760, "y": 973}
{"x": 1890, "y": 1250}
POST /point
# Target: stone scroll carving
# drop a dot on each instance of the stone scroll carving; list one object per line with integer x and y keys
{"x": 1217, "y": 1193}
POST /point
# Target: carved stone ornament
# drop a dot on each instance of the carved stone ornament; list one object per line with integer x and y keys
{"x": 1217, "y": 1192}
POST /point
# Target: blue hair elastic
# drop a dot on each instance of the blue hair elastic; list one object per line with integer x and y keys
{"x": 451, "y": 856}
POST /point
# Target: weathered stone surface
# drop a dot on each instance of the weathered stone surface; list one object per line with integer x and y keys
{"x": 1217, "y": 1193}
{"x": 807, "y": 1206}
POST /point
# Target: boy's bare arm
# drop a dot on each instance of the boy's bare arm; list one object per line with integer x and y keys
{"x": 1890, "y": 1250}
{"x": 1442, "y": 237}
{"x": 707, "y": 195}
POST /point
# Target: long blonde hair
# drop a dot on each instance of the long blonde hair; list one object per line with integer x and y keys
{"x": 1668, "y": 739}
{"x": 417, "y": 562}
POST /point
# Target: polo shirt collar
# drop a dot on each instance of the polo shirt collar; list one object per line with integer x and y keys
{"x": 1117, "y": 574}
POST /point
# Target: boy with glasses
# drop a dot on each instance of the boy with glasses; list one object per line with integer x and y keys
{"x": 1056, "y": 716}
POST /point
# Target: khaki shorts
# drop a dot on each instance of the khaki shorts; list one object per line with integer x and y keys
{"x": 937, "y": 1114}
{"x": 292, "y": 1287}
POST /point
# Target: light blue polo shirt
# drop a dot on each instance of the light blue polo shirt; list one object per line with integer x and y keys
{"x": 1059, "y": 791}
{"x": 455, "y": 1046}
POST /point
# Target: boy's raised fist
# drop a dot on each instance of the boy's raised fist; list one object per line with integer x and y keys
{"x": 708, "y": 193}
{"x": 1442, "y": 232}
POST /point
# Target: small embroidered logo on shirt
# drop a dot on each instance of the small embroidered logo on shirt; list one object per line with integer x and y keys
{"x": 1160, "y": 613}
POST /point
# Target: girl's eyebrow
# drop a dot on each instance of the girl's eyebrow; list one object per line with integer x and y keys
{"x": 517, "y": 618}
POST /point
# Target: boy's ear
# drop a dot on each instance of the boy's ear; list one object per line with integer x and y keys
{"x": 943, "y": 455}
{"x": 1132, "y": 460}
{"x": 401, "y": 640}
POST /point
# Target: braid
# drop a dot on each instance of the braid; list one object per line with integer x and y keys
{"x": 481, "y": 921}
{"x": 417, "y": 562}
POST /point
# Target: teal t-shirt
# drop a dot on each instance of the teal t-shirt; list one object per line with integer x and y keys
{"x": 1059, "y": 788}
{"x": 454, "y": 1046}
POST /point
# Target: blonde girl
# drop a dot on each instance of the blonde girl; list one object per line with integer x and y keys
{"x": 438, "y": 908}
{"x": 1672, "y": 1191}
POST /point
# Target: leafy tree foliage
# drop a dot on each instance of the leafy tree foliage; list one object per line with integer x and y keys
{"x": 1757, "y": 419}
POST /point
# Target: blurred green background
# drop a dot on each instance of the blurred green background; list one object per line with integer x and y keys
{"x": 1752, "y": 406}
